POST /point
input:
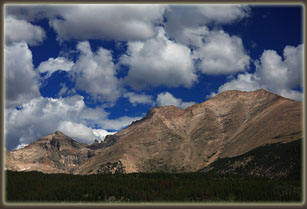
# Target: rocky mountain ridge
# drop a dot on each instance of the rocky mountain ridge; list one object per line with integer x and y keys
{"x": 170, "y": 139}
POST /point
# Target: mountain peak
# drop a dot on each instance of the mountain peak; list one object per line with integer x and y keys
{"x": 54, "y": 135}
{"x": 57, "y": 139}
{"x": 234, "y": 95}
{"x": 228, "y": 98}
{"x": 166, "y": 111}
{"x": 262, "y": 90}
{"x": 236, "y": 92}
{"x": 59, "y": 133}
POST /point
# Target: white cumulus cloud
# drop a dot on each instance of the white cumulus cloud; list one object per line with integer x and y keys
{"x": 95, "y": 73}
{"x": 21, "y": 82}
{"x": 119, "y": 123}
{"x": 81, "y": 132}
{"x": 166, "y": 99}
{"x": 224, "y": 14}
{"x": 16, "y": 30}
{"x": 135, "y": 99}
{"x": 188, "y": 23}
{"x": 110, "y": 22}
{"x": 101, "y": 134}
{"x": 158, "y": 61}
{"x": 215, "y": 51}
{"x": 52, "y": 65}
{"x": 276, "y": 72}
{"x": 221, "y": 53}
{"x": 95, "y": 21}
{"x": 244, "y": 82}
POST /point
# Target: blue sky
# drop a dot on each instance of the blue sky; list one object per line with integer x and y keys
{"x": 90, "y": 70}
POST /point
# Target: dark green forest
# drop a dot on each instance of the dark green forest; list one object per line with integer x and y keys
{"x": 148, "y": 187}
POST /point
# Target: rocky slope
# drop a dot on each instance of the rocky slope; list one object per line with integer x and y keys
{"x": 55, "y": 153}
{"x": 171, "y": 139}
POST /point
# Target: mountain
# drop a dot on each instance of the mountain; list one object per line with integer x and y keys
{"x": 55, "y": 153}
{"x": 170, "y": 139}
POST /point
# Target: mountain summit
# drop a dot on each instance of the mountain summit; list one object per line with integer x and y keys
{"x": 171, "y": 139}
{"x": 55, "y": 153}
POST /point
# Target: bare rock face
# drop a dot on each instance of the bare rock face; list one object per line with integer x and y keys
{"x": 171, "y": 139}
{"x": 55, "y": 153}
